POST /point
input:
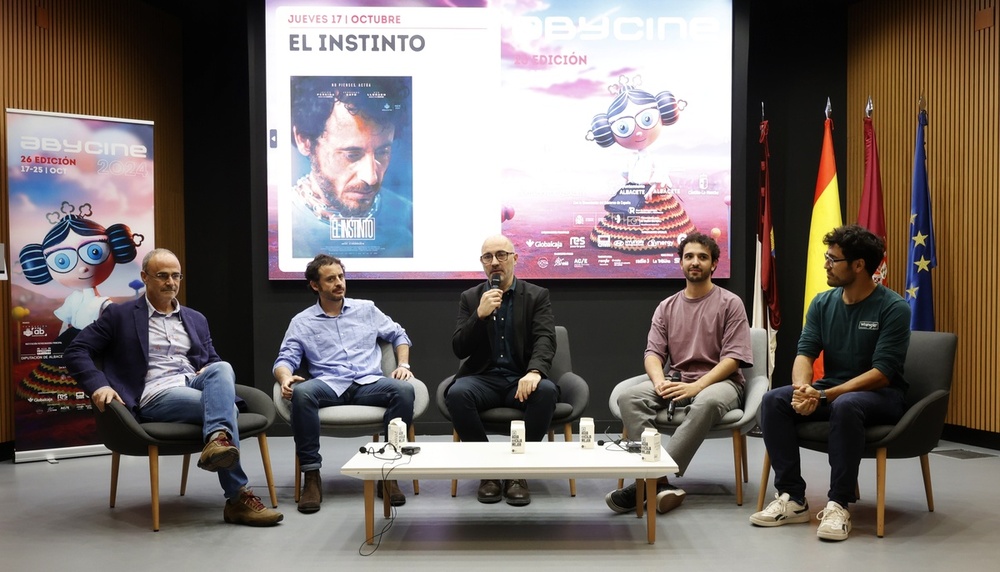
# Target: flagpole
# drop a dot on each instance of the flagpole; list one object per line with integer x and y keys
{"x": 826, "y": 215}
{"x": 922, "y": 254}
{"x": 871, "y": 213}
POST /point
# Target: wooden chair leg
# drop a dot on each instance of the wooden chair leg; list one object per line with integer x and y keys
{"x": 880, "y": 456}
{"x": 411, "y": 435}
{"x": 925, "y": 469}
{"x": 765, "y": 474}
{"x": 115, "y": 459}
{"x": 738, "y": 463}
{"x": 185, "y": 466}
{"x": 298, "y": 479}
{"x": 154, "y": 484}
{"x": 265, "y": 456}
{"x": 746, "y": 469}
{"x": 454, "y": 482}
{"x": 568, "y": 437}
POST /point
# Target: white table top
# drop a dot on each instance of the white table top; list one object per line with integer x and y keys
{"x": 494, "y": 460}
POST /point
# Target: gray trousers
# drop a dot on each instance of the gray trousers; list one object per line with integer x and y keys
{"x": 639, "y": 405}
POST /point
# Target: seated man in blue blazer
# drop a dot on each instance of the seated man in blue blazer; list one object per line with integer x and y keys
{"x": 158, "y": 360}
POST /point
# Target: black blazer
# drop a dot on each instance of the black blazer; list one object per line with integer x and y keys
{"x": 534, "y": 342}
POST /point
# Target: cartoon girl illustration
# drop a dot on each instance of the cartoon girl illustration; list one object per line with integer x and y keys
{"x": 644, "y": 214}
{"x": 80, "y": 254}
{"x": 635, "y": 120}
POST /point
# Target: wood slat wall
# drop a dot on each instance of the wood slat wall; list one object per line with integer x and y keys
{"x": 947, "y": 52}
{"x": 110, "y": 58}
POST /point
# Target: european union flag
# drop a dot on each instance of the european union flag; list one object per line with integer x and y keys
{"x": 922, "y": 253}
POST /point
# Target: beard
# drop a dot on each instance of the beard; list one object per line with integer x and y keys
{"x": 350, "y": 208}
{"x": 702, "y": 275}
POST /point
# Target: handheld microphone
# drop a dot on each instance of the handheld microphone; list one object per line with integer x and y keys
{"x": 495, "y": 284}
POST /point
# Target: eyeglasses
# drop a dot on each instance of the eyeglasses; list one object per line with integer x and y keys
{"x": 163, "y": 276}
{"x": 645, "y": 119}
{"x": 830, "y": 261}
{"x": 501, "y": 256}
{"x": 66, "y": 259}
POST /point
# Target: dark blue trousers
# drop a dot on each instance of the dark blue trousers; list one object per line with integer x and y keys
{"x": 474, "y": 393}
{"x": 848, "y": 415}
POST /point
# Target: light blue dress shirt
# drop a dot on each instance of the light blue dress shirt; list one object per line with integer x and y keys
{"x": 343, "y": 349}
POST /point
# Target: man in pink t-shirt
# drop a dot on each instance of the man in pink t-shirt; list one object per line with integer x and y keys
{"x": 698, "y": 340}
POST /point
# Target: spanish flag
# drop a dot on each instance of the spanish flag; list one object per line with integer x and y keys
{"x": 825, "y": 217}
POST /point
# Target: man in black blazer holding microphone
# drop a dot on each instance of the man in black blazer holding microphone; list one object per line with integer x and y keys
{"x": 506, "y": 334}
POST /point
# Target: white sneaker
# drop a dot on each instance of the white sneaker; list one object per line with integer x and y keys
{"x": 782, "y": 510}
{"x": 835, "y": 522}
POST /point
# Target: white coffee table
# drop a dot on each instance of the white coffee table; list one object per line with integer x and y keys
{"x": 494, "y": 460}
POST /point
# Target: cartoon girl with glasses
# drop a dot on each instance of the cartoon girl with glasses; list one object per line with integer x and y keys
{"x": 635, "y": 120}
{"x": 80, "y": 254}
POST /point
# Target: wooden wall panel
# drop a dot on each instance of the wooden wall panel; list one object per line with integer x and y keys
{"x": 945, "y": 51}
{"x": 111, "y": 58}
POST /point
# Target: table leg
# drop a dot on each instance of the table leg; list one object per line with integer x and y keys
{"x": 651, "y": 509}
{"x": 370, "y": 511}
{"x": 640, "y": 497}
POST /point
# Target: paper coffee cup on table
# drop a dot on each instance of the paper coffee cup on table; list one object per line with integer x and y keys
{"x": 587, "y": 432}
{"x": 650, "y": 445}
{"x": 517, "y": 436}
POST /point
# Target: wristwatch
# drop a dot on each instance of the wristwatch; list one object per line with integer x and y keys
{"x": 404, "y": 365}
{"x": 822, "y": 397}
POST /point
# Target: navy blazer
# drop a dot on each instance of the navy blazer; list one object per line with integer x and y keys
{"x": 534, "y": 343}
{"x": 114, "y": 350}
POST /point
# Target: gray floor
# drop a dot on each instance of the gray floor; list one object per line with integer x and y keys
{"x": 55, "y": 516}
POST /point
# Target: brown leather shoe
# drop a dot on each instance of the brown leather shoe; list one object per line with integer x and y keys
{"x": 247, "y": 509}
{"x": 312, "y": 492}
{"x": 489, "y": 491}
{"x": 516, "y": 492}
{"x": 219, "y": 454}
{"x": 396, "y": 496}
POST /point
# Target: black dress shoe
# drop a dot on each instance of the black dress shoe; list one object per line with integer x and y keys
{"x": 516, "y": 492}
{"x": 489, "y": 491}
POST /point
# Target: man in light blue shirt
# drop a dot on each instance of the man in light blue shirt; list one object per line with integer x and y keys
{"x": 336, "y": 339}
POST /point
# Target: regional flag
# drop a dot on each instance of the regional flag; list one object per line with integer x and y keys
{"x": 922, "y": 253}
{"x": 825, "y": 217}
{"x": 766, "y": 313}
{"x": 872, "y": 215}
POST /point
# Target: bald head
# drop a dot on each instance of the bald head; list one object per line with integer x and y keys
{"x": 494, "y": 248}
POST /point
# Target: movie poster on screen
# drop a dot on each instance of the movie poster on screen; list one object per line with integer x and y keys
{"x": 81, "y": 219}
{"x": 596, "y": 135}
{"x": 344, "y": 200}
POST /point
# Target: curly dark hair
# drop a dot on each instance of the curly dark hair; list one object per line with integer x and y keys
{"x": 321, "y": 260}
{"x": 704, "y": 240}
{"x": 857, "y": 243}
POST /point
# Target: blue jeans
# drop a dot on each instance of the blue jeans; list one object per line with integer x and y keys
{"x": 208, "y": 400}
{"x": 848, "y": 415}
{"x": 309, "y": 396}
{"x": 474, "y": 393}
